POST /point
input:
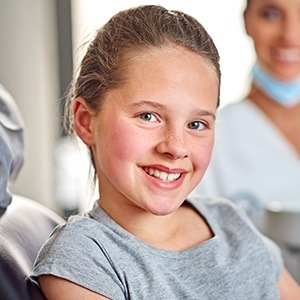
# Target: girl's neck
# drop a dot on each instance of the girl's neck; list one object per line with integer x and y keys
{"x": 180, "y": 230}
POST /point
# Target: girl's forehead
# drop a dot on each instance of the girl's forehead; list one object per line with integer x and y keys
{"x": 164, "y": 78}
{"x": 167, "y": 53}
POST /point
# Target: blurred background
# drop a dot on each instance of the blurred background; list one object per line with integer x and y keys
{"x": 42, "y": 42}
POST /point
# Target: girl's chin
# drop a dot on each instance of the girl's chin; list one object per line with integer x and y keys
{"x": 163, "y": 209}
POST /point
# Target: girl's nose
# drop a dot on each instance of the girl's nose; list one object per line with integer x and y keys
{"x": 174, "y": 146}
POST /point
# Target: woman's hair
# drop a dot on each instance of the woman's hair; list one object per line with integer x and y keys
{"x": 129, "y": 32}
{"x": 247, "y": 2}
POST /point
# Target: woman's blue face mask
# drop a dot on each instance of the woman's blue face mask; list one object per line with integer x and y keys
{"x": 285, "y": 93}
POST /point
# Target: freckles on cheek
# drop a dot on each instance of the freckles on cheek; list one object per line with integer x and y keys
{"x": 209, "y": 149}
{"x": 203, "y": 153}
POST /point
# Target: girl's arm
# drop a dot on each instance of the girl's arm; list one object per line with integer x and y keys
{"x": 288, "y": 287}
{"x": 57, "y": 288}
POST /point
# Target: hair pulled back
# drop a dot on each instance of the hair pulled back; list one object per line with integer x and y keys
{"x": 135, "y": 29}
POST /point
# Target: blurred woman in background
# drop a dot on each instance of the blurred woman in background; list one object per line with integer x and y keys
{"x": 256, "y": 157}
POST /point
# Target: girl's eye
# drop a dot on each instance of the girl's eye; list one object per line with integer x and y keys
{"x": 196, "y": 125}
{"x": 148, "y": 117}
{"x": 272, "y": 13}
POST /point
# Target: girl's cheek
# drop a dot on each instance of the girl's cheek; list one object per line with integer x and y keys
{"x": 126, "y": 143}
{"x": 203, "y": 153}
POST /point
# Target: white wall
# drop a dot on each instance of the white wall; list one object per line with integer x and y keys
{"x": 28, "y": 69}
{"x": 221, "y": 18}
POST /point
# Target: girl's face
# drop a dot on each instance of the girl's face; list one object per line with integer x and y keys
{"x": 274, "y": 26}
{"x": 152, "y": 139}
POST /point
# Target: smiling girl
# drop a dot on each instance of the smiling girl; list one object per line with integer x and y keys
{"x": 145, "y": 102}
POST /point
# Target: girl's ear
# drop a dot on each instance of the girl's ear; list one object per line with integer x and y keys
{"x": 82, "y": 121}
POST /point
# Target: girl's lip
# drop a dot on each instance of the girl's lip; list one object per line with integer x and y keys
{"x": 163, "y": 168}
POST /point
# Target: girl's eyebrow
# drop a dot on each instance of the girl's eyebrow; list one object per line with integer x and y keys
{"x": 203, "y": 112}
{"x": 146, "y": 103}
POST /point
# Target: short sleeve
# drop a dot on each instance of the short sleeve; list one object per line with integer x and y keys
{"x": 72, "y": 253}
{"x": 275, "y": 255}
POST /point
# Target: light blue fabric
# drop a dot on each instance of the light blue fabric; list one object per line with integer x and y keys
{"x": 96, "y": 253}
{"x": 285, "y": 93}
{"x": 11, "y": 144}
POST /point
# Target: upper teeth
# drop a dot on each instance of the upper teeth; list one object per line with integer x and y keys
{"x": 162, "y": 175}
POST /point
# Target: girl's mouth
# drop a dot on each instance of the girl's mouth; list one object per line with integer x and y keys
{"x": 164, "y": 176}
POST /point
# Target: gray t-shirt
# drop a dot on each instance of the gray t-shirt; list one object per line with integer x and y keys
{"x": 95, "y": 252}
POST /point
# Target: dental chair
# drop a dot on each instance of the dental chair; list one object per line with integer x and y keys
{"x": 24, "y": 227}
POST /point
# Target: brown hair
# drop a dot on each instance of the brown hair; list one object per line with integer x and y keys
{"x": 135, "y": 29}
{"x": 247, "y": 2}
